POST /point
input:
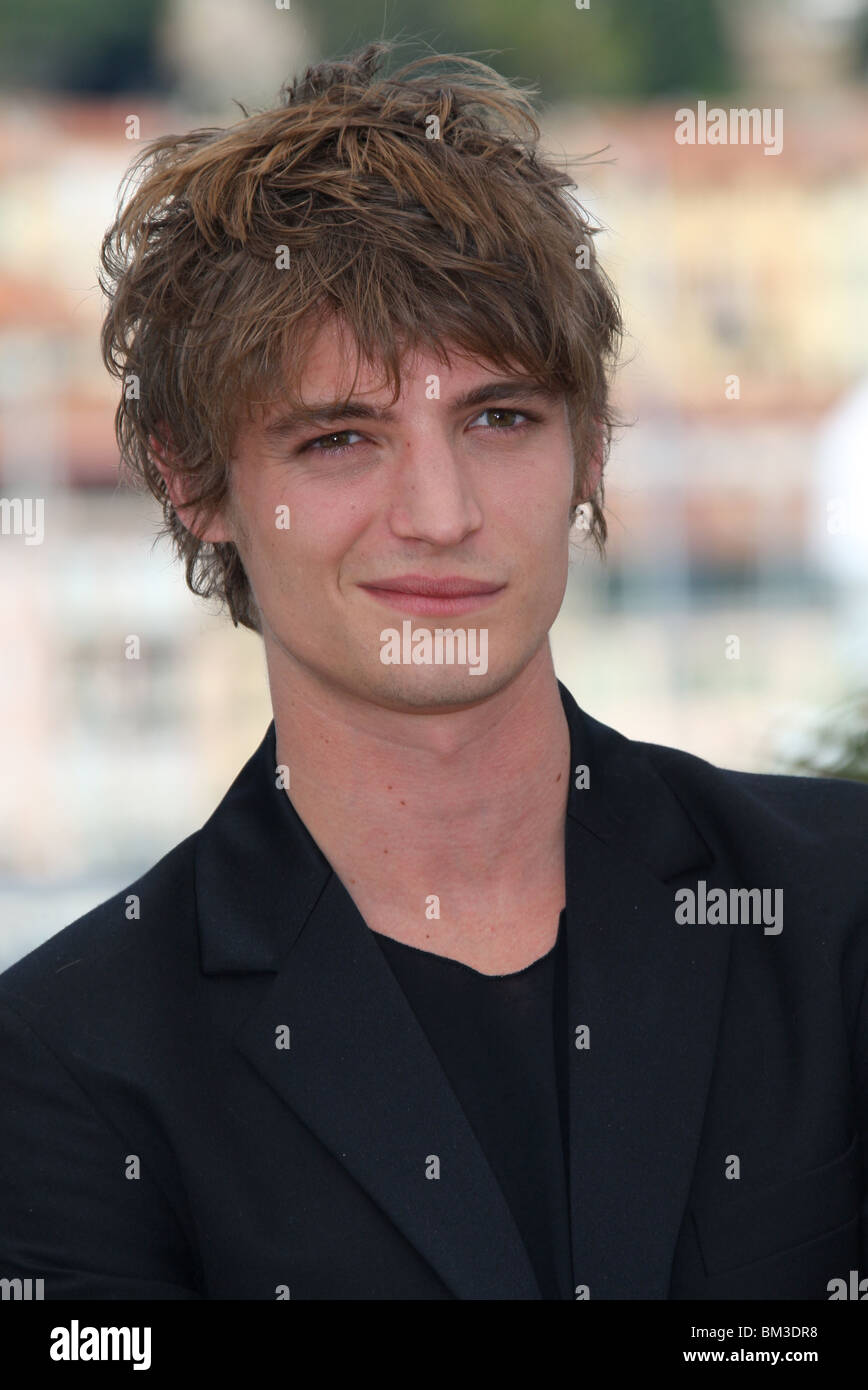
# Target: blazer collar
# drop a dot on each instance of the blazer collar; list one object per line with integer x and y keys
{"x": 259, "y": 872}
{"x": 268, "y": 901}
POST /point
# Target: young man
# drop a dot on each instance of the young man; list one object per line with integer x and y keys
{"x": 458, "y": 993}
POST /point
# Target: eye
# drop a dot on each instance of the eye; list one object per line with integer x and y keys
{"x": 508, "y": 421}
{"x": 504, "y": 425}
{"x": 320, "y": 447}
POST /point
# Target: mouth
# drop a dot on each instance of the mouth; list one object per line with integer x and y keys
{"x": 417, "y": 593}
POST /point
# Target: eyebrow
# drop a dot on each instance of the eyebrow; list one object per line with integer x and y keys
{"x": 328, "y": 412}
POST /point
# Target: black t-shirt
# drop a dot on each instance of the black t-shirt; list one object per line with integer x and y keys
{"x": 495, "y": 1038}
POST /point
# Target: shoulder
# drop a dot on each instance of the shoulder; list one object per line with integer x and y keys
{"x": 795, "y": 806}
{"x": 723, "y": 802}
{"x": 123, "y": 947}
{"x": 728, "y": 807}
{"x": 802, "y": 840}
{"x": 805, "y": 835}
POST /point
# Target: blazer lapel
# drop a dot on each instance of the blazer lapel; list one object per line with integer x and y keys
{"x": 359, "y": 1070}
{"x": 650, "y": 993}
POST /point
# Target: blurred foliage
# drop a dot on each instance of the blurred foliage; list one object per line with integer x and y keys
{"x": 79, "y": 45}
{"x": 631, "y": 48}
{"x": 837, "y": 746}
{"x": 634, "y": 48}
{"x": 859, "y": 47}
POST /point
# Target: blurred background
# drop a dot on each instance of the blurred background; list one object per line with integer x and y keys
{"x": 731, "y": 616}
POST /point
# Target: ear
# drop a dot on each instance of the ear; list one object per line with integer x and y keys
{"x": 593, "y": 470}
{"x": 179, "y": 488}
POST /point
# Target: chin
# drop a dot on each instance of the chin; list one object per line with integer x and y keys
{"x": 435, "y": 689}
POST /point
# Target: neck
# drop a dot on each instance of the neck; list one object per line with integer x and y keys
{"x": 469, "y": 796}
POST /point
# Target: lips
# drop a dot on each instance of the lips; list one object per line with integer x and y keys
{"x": 435, "y": 598}
{"x": 452, "y": 587}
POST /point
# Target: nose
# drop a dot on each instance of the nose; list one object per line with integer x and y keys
{"x": 433, "y": 498}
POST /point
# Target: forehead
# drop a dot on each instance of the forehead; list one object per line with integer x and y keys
{"x": 332, "y": 368}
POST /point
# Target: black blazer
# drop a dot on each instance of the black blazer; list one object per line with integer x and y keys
{"x": 157, "y": 1143}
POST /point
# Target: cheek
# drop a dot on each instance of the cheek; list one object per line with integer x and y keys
{"x": 300, "y": 543}
{"x": 263, "y": 527}
{"x": 540, "y": 504}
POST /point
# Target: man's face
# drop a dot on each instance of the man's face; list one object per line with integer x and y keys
{"x": 440, "y": 486}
